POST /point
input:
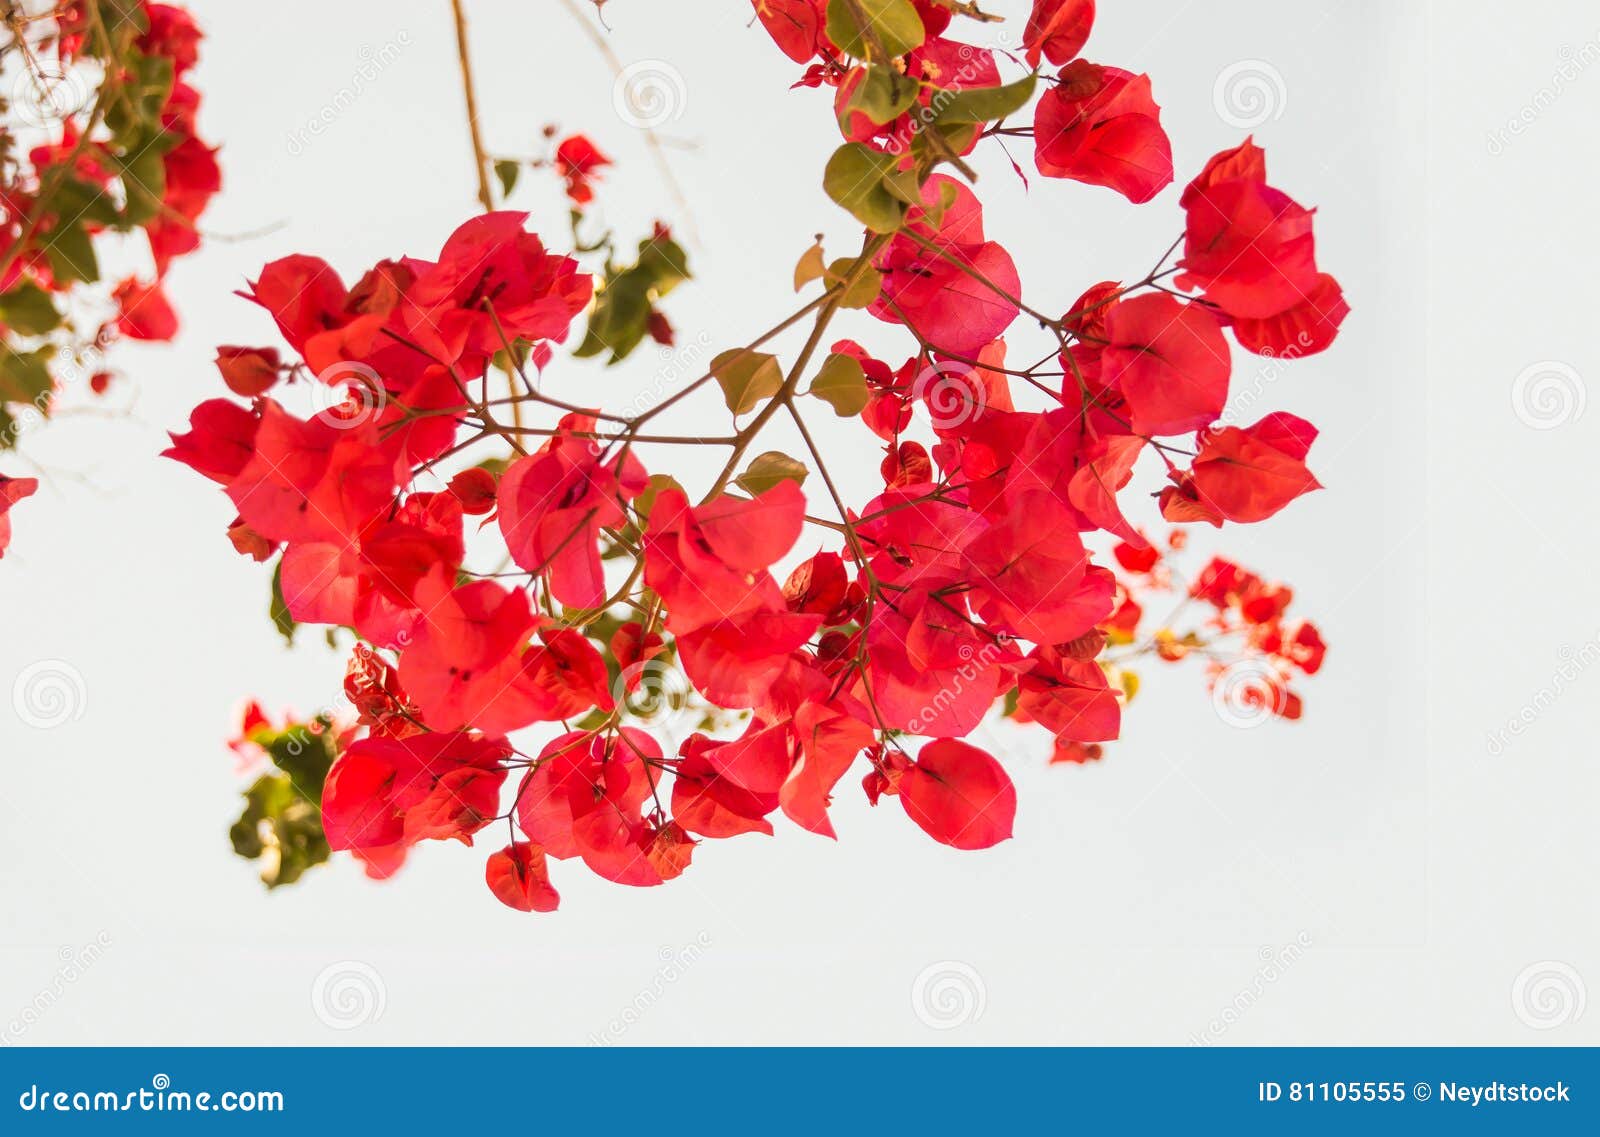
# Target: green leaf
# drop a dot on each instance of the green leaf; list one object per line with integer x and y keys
{"x": 71, "y": 255}
{"x": 280, "y": 828}
{"x": 280, "y": 608}
{"x": 863, "y": 291}
{"x": 747, "y": 378}
{"x": 28, "y": 309}
{"x": 882, "y": 94}
{"x": 25, "y": 376}
{"x": 982, "y": 104}
{"x": 895, "y": 22}
{"x": 855, "y": 179}
{"x": 842, "y": 385}
{"x": 627, "y": 296}
{"x": 507, "y": 171}
{"x": 282, "y": 820}
{"x": 652, "y": 490}
{"x": 767, "y": 470}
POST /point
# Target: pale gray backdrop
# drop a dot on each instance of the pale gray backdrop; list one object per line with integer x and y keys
{"x": 1402, "y": 866}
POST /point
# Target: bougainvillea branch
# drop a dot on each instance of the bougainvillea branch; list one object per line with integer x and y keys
{"x": 99, "y": 144}
{"x": 684, "y": 694}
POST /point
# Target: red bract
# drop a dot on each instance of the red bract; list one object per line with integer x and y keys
{"x": 958, "y": 795}
{"x": 1248, "y": 474}
{"x": 1249, "y": 247}
{"x": 1101, "y": 125}
{"x": 1058, "y": 29}
{"x": 12, "y": 490}
{"x": 554, "y": 504}
{"x": 519, "y": 876}
{"x": 1169, "y": 362}
{"x": 579, "y": 161}
{"x": 954, "y": 289}
{"x": 387, "y": 794}
{"x": 616, "y": 645}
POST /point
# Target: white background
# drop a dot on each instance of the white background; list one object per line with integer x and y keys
{"x": 1417, "y": 870}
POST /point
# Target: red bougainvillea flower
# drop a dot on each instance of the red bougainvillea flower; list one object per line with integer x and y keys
{"x": 312, "y": 480}
{"x": 143, "y": 311}
{"x": 580, "y": 161}
{"x": 1304, "y": 329}
{"x": 1058, "y": 29}
{"x": 1250, "y": 247}
{"x": 1169, "y": 361}
{"x": 220, "y": 442}
{"x": 959, "y": 795}
{"x": 1068, "y": 696}
{"x": 1245, "y": 474}
{"x": 386, "y": 793}
{"x": 553, "y": 505}
{"x": 493, "y": 283}
{"x": 249, "y": 371}
{"x": 1100, "y": 125}
{"x": 585, "y": 798}
{"x": 519, "y": 876}
{"x": 709, "y": 564}
{"x": 934, "y": 281}
{"x": 794, "y": 25}
{"x": 12, "y": 490}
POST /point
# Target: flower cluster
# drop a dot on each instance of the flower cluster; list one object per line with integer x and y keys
{"x": 963, "y": 584}
{"x": 100, "y": 142}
